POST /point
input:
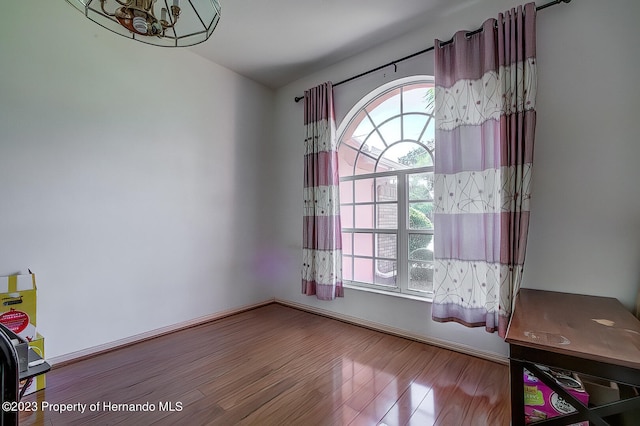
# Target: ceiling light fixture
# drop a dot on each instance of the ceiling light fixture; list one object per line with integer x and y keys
{"x": 179, "y": 25}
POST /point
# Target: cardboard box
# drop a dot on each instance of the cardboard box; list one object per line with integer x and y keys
{"x": 38, "y": 382}
{"x": 18, "y": 304}
{"x": 541, "y": 403}
{"x": 601, "y": 391}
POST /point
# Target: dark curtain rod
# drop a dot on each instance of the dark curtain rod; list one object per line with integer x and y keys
{"x": 429, "y": 49}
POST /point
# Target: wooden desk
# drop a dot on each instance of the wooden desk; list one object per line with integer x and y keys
{"x": 559, "y": 330}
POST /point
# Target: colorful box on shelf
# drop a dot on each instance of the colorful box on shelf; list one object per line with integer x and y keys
{"x": 541, "y": 402}
{"x": 18, "y": 304}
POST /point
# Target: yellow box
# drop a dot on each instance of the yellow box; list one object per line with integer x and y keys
{"x": 38, "y": 382}
{"x": 18, "y": 304}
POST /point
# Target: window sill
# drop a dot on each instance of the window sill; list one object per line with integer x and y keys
{"x": 427, "y": 299}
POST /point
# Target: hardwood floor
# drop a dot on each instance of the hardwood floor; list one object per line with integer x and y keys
{"x": 276, "y": 366}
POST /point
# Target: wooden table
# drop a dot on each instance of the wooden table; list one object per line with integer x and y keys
{"x": 586, "y": 334}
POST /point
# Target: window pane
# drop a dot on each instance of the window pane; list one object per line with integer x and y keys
{"x": 356, "y": 143}
{"x": 346, "y": 160}
{"x": 364, "y": 128}
{"x": 364, "y": 216}
{"x": 390, "y": 131}
{"x": 386, "y": 246}
{"x": 387, "y": 216}
{"x": 428, "y": 137}
{"x": 346, "y": 192}
{"x": 374, "y": 145}
{"x": 363, "y": 270}
{"x": 420, "y": 262}
{"x": 387, "y": 188}
{"x": 421, "y": 186}
{"x": 364, "y": 190}
{"x": 363, "y": 244}
{"x": 421, "y": 247}
{"x": 431, "y": 146}
{"x": 364, "y": 165}
{"x": 346, "y": 216}
{"x": 399, "y": 156}
{"x": 347, "y": 243}
{"x": 421, "y": 216}
{"x": 416, "y": 156}
{"x": 413, "y": 124}
{"x": 359, "y": 127}
{"x": 385, "y": 106}
{"x": 386, "y": 271}
{"x": 421, "y": 276}
{"x": 418, "y": 98}
{"x": 347, "y": 268}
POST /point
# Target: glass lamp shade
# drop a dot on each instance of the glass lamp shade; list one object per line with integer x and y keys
{"x": 167, "y": 23}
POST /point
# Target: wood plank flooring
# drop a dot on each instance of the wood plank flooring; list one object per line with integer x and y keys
{"x": 276, "y": 366}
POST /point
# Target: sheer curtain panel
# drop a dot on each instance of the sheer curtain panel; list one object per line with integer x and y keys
{"x": 485, "y": 126}
{"x": 322, "y": 241}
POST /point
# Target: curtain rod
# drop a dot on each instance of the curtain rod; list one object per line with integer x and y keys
{"x": 429, "y": 49}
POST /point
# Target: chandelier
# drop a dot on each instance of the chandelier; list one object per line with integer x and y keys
{"x": 179, "y": 24}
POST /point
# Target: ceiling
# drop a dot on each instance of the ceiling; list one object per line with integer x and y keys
{"x": 275, "y": 42}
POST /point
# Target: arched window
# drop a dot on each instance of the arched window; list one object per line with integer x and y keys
{"x": 386, "y": 152}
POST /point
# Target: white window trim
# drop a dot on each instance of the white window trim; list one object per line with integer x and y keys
{"x": 364, "y": 287}
{"x": 402, "y": 279}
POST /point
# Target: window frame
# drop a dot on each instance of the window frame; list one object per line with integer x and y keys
{"x": 402, "y": 231}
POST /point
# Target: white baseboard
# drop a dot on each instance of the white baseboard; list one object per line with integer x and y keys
{"x": 468, "y": 350}
{"x": 69, "y": 358}
{"x": 107, "y": 347}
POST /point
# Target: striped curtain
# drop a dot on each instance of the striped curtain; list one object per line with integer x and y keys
{"x": 485, "y": 127}
{"x": 322, "y": 240}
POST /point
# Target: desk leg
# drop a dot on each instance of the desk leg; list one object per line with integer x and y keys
{"x": 517, "y": 392}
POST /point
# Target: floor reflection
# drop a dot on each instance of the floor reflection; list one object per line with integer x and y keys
{"x": 439, "y": 388}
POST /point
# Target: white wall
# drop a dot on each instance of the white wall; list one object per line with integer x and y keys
{"x": 585, "y": 230}
{"x": 126, "y": 174}
{"x": 128, "y": 216}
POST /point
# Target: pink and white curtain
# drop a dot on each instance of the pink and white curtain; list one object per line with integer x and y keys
{"x": 485, "y": 127}
{"x": 322, "y": 240}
